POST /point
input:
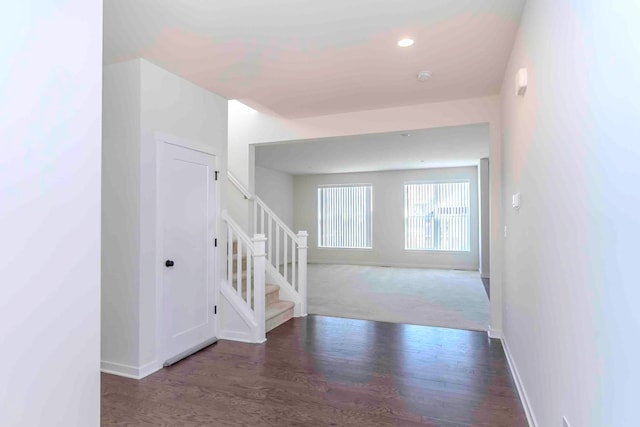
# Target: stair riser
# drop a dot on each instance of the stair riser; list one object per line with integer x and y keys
{"x": 272, "y": 297}
{"x": 278, "y": 320}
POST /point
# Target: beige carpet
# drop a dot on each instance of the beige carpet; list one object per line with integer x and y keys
{"x": 446, "y": 298}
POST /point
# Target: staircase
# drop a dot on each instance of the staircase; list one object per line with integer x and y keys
{"x": 277, "y": 311}
{"x": 266, "y": 275}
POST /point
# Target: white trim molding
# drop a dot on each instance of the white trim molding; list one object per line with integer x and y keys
{"x": 494, "y": 333}
{"x": 526, "y": 405}
{"x": 128, "y": 371}
{"x": 161, "y": 137}
{"x": 389, "y": 264}
{"x": 245, "y": 337}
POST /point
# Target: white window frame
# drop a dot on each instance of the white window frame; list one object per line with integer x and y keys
{"x": 468, "y": 225}
{"x": 370, "y": 217}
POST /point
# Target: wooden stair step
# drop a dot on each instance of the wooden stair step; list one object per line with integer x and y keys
{"x": 278, "y": 313}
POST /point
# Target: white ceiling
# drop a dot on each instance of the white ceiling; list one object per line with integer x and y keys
{"x": 314, "y": 57}
{"x": 430, "y": 148}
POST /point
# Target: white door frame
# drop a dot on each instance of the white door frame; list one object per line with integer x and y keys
{"x": 160, "y": 140}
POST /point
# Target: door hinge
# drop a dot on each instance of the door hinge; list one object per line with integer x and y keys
{"x": 217, "y": 172}
{"x": 215, "y": 309}
{"x": 215, "y": 242}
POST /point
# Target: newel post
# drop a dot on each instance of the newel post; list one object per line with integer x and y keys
{"x": 259, "y": 277}
{"x": 302, "y": 269}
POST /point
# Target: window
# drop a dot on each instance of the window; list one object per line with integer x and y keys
{"x": 344, "y": 216}
{"x": 436, "y": 216}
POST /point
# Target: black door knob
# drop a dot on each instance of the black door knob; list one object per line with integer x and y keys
{"x": 168, "y": 263}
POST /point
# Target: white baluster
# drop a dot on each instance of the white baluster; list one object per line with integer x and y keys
{"x": 229, "y": 256}
{"x": 302, "y": 270}
{"x": 249, "y": 279}
{"x": 277, "y": 265}
{"x": 269, "y": 240}
{"x": 294, "y": 278}
{"x": 255, "y": 216}
{"x": 286, "y": 262}
{"x": 239, "y": 269}
{"x": 259, "y": 284}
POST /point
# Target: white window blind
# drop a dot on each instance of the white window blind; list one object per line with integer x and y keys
{"x": 437, "y": 216}
{"x": 344, "y": 216}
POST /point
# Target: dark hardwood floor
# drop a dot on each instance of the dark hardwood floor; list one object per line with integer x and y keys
{"x": 325, "y": 371}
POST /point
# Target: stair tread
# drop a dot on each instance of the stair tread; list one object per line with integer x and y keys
{"x": 278, "y": 308}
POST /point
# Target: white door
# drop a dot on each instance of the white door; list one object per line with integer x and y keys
{"x": 186, "y": 188}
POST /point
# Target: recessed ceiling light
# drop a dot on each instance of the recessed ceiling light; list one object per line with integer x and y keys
{"x": 423, "y": 76}
{"x": 405, "y": 42}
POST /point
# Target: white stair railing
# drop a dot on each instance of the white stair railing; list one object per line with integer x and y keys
{"x": 286, "y": 251}
{"x": 246, "y": 274}
{"x": 247, "y": 195}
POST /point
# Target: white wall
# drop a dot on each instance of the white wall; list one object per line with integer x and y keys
{"x": 248, "y": 126}
{"x": 387, "y": 219}
{"x": 571, "y": 148}
{"x": 275, "y": 188}
{"x": 120, "y": 213}
{"x": 239, "y": 207}
{"x": 485, "y": 220}
{"x": 167, "y": 105}
{"x": 50, "y": 107}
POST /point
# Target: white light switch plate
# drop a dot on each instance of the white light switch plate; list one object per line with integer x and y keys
{"x": 515, "y": 201}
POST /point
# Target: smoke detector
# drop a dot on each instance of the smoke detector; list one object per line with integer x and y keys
{"x": 423, "y": 76}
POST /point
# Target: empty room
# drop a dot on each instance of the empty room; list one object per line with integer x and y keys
{"x": 393, "y": 220}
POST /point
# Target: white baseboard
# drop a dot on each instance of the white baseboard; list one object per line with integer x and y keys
{"x": 150, "y": 368}
{"x": 494, "y": 333}
{"x": 127, "y": 371}
{"x": 238, "y": 336}
{"x": 519, "y": 385}
{"x": 394, "y": 264}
